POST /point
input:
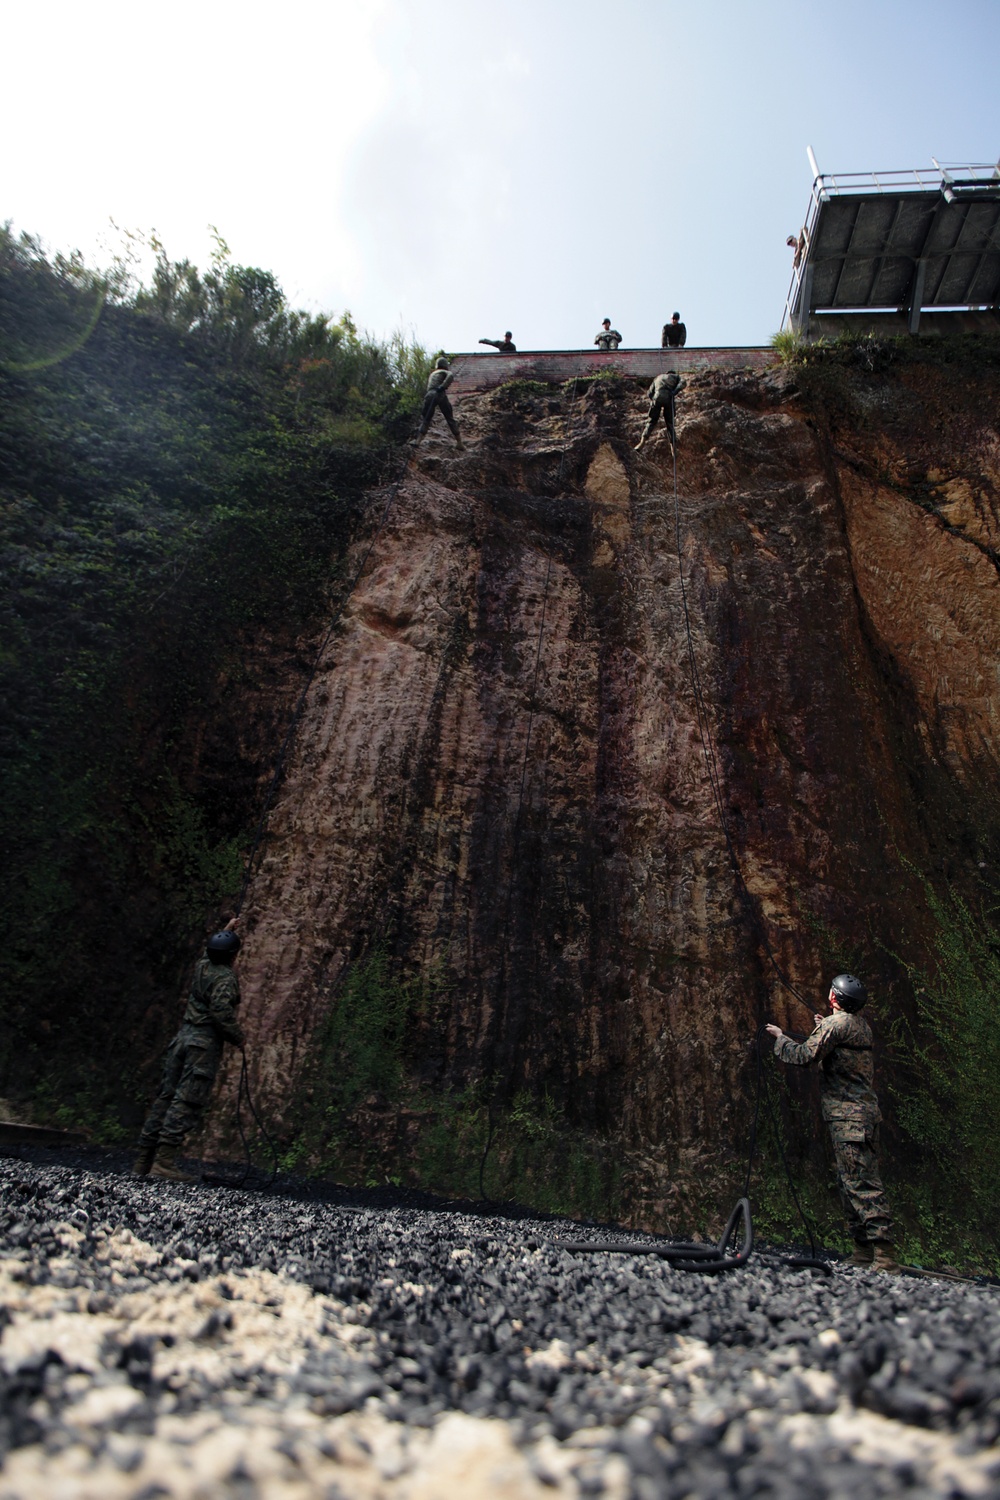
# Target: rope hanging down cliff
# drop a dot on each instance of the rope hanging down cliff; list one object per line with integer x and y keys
{"x": 711, "y": 763}
{"x": 715, "y": 780}
{"x": 710, "y": 1259}
{"x": 300, "y": 705}
{"x": 243, "y": 1091}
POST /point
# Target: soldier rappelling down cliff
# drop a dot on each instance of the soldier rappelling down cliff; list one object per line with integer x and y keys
{"x": 842, "y": 1045}
{"x": 193, "y": 1058}
{"x": 436, "y": 398}
{"x": 661, "y": 395}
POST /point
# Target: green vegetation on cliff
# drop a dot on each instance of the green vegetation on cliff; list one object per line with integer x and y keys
{"x": 182, "y": 466}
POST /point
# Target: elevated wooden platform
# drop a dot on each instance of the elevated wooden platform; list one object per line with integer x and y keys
{"x": 480, "y": 372}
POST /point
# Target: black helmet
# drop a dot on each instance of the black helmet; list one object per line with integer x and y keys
{"x": 222, "y": 945}
{"x": 850, "y": 992}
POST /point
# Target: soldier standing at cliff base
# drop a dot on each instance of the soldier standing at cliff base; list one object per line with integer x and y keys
{"x": 842, "y": 1045}
{"x": 661, "y": 399}
{"x": 192, "y": 1059}
{"x": 438, "y": 382}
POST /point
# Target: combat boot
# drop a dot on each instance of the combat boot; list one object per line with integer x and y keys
{"x": 143, "y": 1162}
{"x": 165, "y": 1165}
{"x": 864, "y": 1254}
{"x": 885, "y": 1256}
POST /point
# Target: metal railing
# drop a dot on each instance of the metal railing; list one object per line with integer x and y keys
{"x": 846, "y": 184}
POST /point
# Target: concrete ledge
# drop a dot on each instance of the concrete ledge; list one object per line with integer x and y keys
{"x": 480, "y": 372}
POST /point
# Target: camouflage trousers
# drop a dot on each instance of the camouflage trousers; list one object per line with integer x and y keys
{"x": 189, "y": 1071}
{"x": 859, "y": 1182}
{"x": 653, "y": 415}
{"x": 432, "y": 401}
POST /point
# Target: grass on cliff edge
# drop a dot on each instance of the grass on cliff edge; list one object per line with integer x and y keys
{"x": 876, "y": 351}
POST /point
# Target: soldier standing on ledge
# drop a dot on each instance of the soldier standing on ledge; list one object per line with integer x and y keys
{"x": 609, "y": 338}
{"x": 438, "y": 382}
{"x": 842, "y": 1045}
{"x": 506, "y": 345}
{"x": 192, "y": 1059}
{"x": 661, "y": 399}
{"x": 674, "y": 334}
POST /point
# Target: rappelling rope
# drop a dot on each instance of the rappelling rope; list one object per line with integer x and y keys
{"x": 516, "y": 843}
{"x": 715, "y": 780}
{"x": 300, "y": 705}
{"x": 491, "y": 1126}
{"x": 712, "y": 766}
{"x": 686, "y": 1256}
{"x": 243, "y": 1091}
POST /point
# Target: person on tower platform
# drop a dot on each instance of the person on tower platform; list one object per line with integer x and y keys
{"x": 841, "y": 1043}
{"x": 438, "y": 382}
{"x": 193, "y": 1058}
{"x": 661, "y": 395}
{"x": 506, "y": 345}
{"x": 674, "y": 334}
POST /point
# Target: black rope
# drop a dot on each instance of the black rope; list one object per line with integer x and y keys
{"x": 715, "y": 781}
{"x": 300, "y": 705}
{"x": 812, "y": 1260}
{"x": 515, "y": 845}
{"x": 243, "y": 1092}
{"x": 682, "y": 1255}
{"x": 712, "y": 766}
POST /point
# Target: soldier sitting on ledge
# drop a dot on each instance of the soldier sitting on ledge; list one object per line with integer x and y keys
{"x": 609, "y": 338}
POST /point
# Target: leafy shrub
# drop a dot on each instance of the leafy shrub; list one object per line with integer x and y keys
{"x": 951, "y": 1106}
{"x": 182, "y": 467}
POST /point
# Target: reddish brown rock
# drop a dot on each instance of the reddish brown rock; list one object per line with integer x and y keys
{"x": 501, "y": 766}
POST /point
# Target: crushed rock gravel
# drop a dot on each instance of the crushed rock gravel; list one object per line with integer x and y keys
{"x": 195, "y": 1343}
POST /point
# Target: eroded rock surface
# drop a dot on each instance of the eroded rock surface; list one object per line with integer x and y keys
{"x": 501, "y": 763}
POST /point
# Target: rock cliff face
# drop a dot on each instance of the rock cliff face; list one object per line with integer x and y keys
{"x": 500, "y": 765}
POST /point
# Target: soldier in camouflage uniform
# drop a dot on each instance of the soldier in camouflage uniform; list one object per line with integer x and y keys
{"x": 506, "y": 345}
{"x": 192, "y": 1059}
{"x": 674, "y": 335}
{"x": 661, "y": 399}
{"x": 437, "y": 384}
{"x": 609, "y": 338}
{"x": 842, "y": 1045}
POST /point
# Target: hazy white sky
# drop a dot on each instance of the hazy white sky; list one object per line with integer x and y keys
{"x": 458, "y": 167}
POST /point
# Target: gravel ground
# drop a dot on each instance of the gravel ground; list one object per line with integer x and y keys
{"x": 168, "y": 1341}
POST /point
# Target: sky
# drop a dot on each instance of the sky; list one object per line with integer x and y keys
{"x": 455, "y": 168}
